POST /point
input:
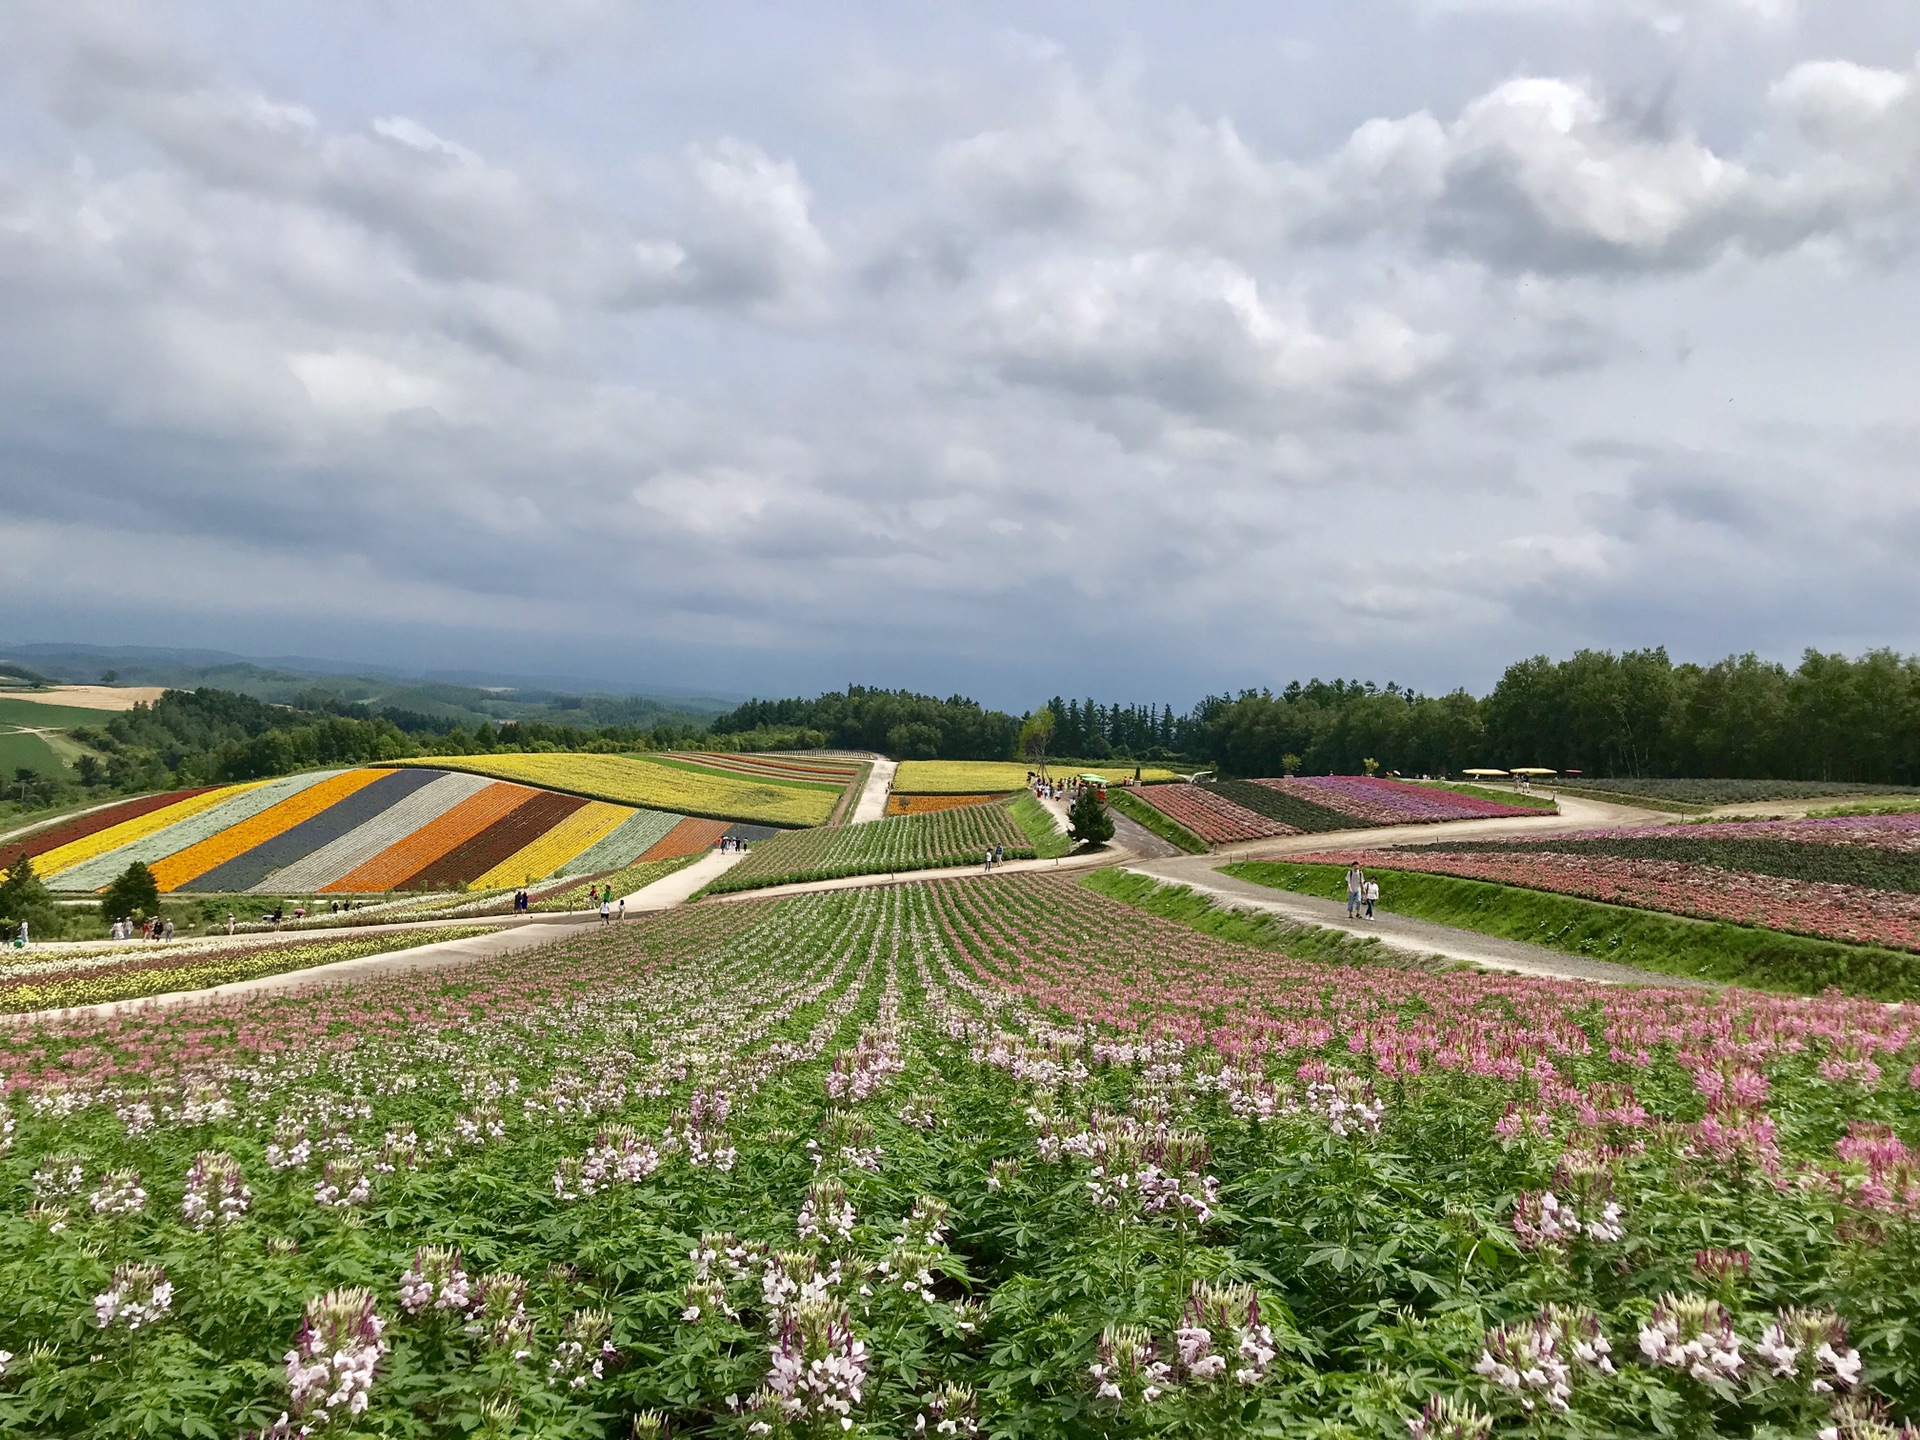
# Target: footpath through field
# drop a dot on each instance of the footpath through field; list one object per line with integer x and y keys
{"x": 872, "y": 804}
{"x": 1400, "y": 932}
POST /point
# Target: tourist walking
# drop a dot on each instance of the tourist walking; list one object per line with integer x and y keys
{"x": 606, "y": 910}
{"x": 1356, "y": 882}
{"x": 1373, "y": 896}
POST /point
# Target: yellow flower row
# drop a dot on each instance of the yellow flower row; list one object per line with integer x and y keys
{"x": 586, "y": 826}
{"x": 89, "y": 847}
{"x": 630, "y": 780}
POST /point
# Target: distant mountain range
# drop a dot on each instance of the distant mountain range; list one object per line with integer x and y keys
{"x": 469, "y": 696}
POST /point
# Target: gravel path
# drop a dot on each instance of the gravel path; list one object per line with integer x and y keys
{"x": 873, "y": 799}
{"x": 1400, "y": 932}
{"x": 1132, "y": 835}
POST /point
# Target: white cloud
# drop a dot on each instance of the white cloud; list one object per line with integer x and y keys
{"x": 1196, "y": 332}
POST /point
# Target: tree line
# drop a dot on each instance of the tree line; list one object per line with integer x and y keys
{"x": 1634, "y": 713}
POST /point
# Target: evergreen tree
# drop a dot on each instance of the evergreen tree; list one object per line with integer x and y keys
{"x": 135, "y": 893}
{"x": 23, "y": 896}
{"x": 1087, "y": 819}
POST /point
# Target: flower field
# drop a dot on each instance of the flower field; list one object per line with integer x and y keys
{"x": 1299, "y": 816}
{"x": 1003, "y": 777}
{"x": 623, "y": 882}
{"x": 1213, "y": 817}
{"x": 176, "y": 870}
{"x": 578, "y": 829}
{"x": 362, "y": 831}
{"x": 624, "y": 844}
{"x": 1733, "y": 792}
{"x": 968, "y": 1158}
{"x": 898, "y": 804}
{"x": 813, "y": 769}
{"x": 1377, "y": 800}
{"x": 97, "y": 977}
{"x": 1856, "y": 913}
{"x": 1221, "y": 812}
{"x": 64, "y": 832}
{"x": 959, "y": 836}
{"x": 659, "y": 783}
{"x": 51, "y": 863}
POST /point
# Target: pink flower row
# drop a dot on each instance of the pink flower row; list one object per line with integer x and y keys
{"x": 1382, "y": 801}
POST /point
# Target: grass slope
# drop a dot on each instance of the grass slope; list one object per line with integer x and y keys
{"x": 20, "y": 751}
{"x": 1671, "y": 944}
{"x": 1165, "y": 826}
{"x": 36, "y": 716}
{"x": 1036, "y": 822}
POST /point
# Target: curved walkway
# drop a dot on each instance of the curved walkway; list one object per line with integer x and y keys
{"x": 1401, "y": 932}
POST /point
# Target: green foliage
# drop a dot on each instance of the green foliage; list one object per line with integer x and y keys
{"x": 1036, "y": 738}
{"x": 1087, "y": 818}
{"x": 1165, "y": 826}
{"x": 1036, "y": 822}
{"x": 859, "y": 718}
{"x": 135, "y": 894}
{"x": 24, "y": 897}
{"x": 1670, "y": 944}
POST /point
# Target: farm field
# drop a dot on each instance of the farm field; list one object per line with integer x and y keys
{"x": 22, "y": 751}
{"x": 676, "y": 786}
{"x": 90, "y": 700}
{"x": 958, "y": 836}
{"x": 1001, "y": 1156}
{"x": 17, "y": 709}
{"x": 1003, "y": 777}
{"x": 357, "y": 832}
{"x": 1854, "y": 879}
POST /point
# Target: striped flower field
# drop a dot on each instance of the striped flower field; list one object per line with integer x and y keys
{"x": 362, "y": 832}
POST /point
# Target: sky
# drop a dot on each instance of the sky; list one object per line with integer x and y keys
{"x": 1140, "y": 350}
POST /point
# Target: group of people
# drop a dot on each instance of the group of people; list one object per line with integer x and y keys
{"x": 601, "y": 896}
{"x": 732, "y": 844}
{"x": 160, "y": 927}
{"x": 1362, "y": 894}
{"x": 996, "y": 855}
